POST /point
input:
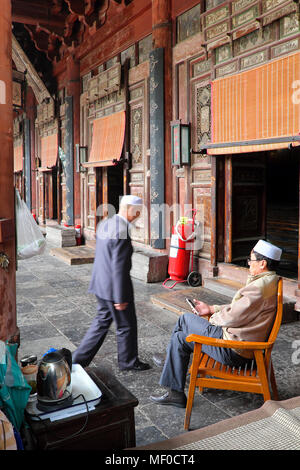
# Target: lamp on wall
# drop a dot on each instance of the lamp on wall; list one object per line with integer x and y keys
{"x": 180, "y": 134}
{"x": 81, "y": 157}
{"x": 19, "y": 89}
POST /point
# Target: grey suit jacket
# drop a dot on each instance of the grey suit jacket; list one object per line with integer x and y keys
{"x": 111, "y": 270}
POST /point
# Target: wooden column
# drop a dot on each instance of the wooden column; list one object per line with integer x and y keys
{"x": 127, "y": 164}
{"x": 8, "y": 322}
{"x": 228, "y": 211}
{"x": 73, "y": 90}
{"x": 214, "y": 212}
{"x": 162, "y": 39}
{"x": 297, "y": 291}
{"x": 31, "y": 116}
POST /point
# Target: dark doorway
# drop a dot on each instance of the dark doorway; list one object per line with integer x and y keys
{"x": 114, "y": 185}
{"x": 265, "y": 204}
{"x": 248, "y": 204}
{"x": 283, "y": 207}
{"x": 51, "y": 194}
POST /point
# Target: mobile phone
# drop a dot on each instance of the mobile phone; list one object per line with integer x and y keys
{"x": 191, "y": 304}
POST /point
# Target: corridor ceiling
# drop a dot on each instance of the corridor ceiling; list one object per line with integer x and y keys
{"x": 48, "y": 29}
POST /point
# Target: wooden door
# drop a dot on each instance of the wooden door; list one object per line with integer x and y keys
{"x": 50, "y": 182}
{"x": 41, "y": 198}
{"x": 48, "y": 198}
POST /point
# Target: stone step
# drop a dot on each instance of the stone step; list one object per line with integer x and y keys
{"x": 74, "y": 255}
{"x": 61, "y": 236}
{"x": 149, "y": 265}
{"x": 228, "y": 287}
{"x": 174, "y": 299}
{"x": 223, "y": 286}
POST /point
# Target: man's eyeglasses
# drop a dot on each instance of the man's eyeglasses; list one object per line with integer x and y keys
{"x": 249, "y": 260}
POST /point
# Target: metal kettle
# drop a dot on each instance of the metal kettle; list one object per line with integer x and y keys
{"x": 54, "y": 388}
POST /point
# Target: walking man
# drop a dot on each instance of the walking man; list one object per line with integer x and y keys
{"x": 112, "y": 285}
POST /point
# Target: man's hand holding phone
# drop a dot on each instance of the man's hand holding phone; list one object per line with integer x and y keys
{"x": 200, "y": 308}
{"x": 192, "y": 305}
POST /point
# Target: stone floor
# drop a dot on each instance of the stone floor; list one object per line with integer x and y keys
{"x": 54, "y": 310}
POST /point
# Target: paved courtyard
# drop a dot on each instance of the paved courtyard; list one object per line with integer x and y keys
{"x": 54, "y": 310}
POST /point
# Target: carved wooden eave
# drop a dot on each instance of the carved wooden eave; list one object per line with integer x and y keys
{"x": 23, "y": 64}
{"x": 58, "y": 25}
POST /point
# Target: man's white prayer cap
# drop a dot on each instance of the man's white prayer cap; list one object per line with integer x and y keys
{"x": 130, "y": 200}
{"x": 267, "y": 249}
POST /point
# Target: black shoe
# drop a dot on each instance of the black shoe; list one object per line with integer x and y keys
{"x": 139, "y": 365}
{"x": 172, "y": 398}
{"x": 159, "y": 359}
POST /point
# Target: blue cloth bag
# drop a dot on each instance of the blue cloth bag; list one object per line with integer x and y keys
{"x": 14, "y": 389}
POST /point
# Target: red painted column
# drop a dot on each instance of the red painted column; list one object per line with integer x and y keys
{"x": 162, "y": 37}
{"x": 31, "y": 105}
{"x": 8, "y": 322}
{"x": 73, "y": 89}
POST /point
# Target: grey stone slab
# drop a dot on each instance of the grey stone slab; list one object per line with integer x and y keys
{"x": 141, "y": 420}
{"x": 151, "y": 345}
{"x": 52, "y": 275}
{"x": 214, "y": 395}
{"x": 61, "y": 307}
{"x": 38, "y": 330}
{"x": 242, "y": 403}
{"x": 24, "y": 277}
{"x": 23, "y": 305}
{"x": 49, "y": 302}
{"x": 141, "y": 384}
{"x": 79, "y": 320}
{"x": 171, "y": 422}
{"x": 40, "y": 346}
{"x": 165, "y": 319}
{"x": 25, "y": 319}
{"x": 147, "y": 435}
{"x": 204, "y": 413}
{"x": 34, "y": 292}
{"x": 67, "y": 283}
{"x": 290, "y": 331}
{"x": 282, "y": 352}
{"x": 103, "y": 362}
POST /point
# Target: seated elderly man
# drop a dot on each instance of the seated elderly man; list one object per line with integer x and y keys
{"x": 249, "y": 317}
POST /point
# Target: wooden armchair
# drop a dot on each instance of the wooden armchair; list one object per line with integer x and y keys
{"x": 206, "y": 372}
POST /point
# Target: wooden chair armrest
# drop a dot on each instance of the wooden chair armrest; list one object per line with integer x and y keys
{"x": 226, "y": 343}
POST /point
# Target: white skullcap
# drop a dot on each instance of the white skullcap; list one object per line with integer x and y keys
{"x": 267, "y": 249}
{"x": 130, "y": 200}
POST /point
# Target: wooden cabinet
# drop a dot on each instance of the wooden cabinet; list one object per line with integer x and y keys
{"x": 109, "y": 426}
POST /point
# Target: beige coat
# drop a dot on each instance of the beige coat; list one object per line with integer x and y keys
{"x": 251, "y": 314}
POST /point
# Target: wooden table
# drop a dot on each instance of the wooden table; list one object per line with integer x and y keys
{"x": 109, "y": 426}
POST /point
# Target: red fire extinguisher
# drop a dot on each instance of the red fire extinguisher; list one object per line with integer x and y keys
{"x": 181, "y": 252}
{"x": 78, "y": 235}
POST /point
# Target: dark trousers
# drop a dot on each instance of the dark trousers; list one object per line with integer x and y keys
{"x": 179, "y": 350}
{"x": 126, "y": 334}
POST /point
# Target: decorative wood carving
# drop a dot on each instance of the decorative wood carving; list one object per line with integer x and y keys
{"x": 104, "y": 83}
{"x": 22, "y": 63}
{"x": 76, "y": 6}
{"x": 55, "y": 25}
{"x": 203, "y": 115}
